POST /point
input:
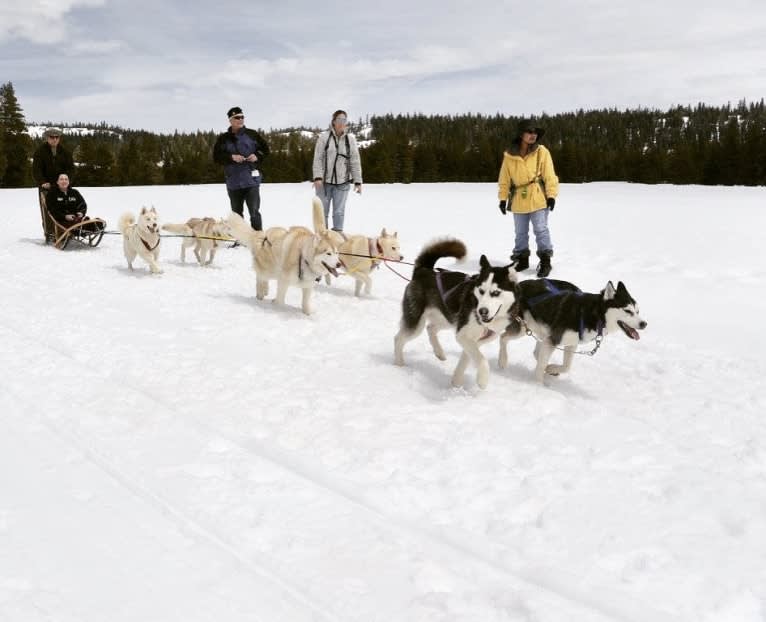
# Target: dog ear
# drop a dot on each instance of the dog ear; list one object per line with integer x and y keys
{"x": 609, "y": 292}
{"x": 484, "y": 262}
{"x": 383, "y": 233}
{"x": 143, "y": 209}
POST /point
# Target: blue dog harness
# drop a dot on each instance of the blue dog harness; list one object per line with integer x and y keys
{"x": 552, "y": 292}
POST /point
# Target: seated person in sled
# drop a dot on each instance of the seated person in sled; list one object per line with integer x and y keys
{"x": 67, "y": 206}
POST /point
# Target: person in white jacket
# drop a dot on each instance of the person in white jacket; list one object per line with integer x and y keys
{"x": 336, "y": 166}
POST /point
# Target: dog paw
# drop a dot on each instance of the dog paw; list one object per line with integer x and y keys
{"x": 554, "y": 370}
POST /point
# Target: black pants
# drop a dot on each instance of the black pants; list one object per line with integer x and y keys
{"x": 251, "y": 196}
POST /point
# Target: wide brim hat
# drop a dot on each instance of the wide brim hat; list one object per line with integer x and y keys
{"x": 52, "y": 131}
{"x": 526, "y": 125}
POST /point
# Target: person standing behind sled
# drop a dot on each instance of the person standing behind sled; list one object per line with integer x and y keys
{"x": 50, "y": 159}
{"x": 241, "y": 151}
{"x": 336, "y": 165}
{"x": 528, "y": 182}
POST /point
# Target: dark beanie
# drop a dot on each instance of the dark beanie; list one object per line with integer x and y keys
{"x": 526, "y": 125}
{"x": 233, "y": 111}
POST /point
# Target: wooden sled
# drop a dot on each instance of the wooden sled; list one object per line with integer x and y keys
{"x": 59, "y": 235}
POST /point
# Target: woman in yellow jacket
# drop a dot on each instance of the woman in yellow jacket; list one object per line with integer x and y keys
{"x": 527, "y": 180}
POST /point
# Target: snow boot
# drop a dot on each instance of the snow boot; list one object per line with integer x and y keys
{"x": 520, "y": 260}
{"x": 544, "y": 267}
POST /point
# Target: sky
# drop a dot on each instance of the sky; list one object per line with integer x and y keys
{"x": 172, "y": 448}
{"x": 179, "y": 65}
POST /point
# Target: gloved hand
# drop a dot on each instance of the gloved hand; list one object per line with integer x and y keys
{"x": 550, "y": 202}
{"x": 502, "y": 207}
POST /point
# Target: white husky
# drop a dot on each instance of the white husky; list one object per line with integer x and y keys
{"x": 294, "y": 257}
{"x": 359, "y": 255}
{"x": 141, "y": 238}
{"x": 202, "y": 234}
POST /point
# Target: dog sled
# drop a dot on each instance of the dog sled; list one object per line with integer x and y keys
{"x": 88, "y": 232}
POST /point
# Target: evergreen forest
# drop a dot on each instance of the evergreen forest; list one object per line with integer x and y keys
{"x": 704, "y": 144}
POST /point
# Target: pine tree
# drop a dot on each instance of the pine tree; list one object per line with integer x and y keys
{"x": 16, "y": 145}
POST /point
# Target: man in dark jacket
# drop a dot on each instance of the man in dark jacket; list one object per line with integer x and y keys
{"x": 50, "y": 159}
{"x": 241, "y": 151}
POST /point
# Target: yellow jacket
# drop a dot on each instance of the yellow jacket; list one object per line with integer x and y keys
{"x": 532, "y": 178}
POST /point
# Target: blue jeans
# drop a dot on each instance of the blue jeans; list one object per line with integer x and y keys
{"x": 539, "y": 220}
{"x": 337, "y": 195}
{"x": 251, "y": 196}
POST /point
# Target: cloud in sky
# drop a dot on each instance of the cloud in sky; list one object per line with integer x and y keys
{"x": 180, "y": 65}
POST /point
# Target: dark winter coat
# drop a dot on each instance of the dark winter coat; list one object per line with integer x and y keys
{"x": 47, "y": 167}
{"x": 246, "y": 141}
{"x": 62, "y": 203}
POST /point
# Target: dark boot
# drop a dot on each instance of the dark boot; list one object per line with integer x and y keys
{"x": 520, "y": 260}
{"x": 544, "y": 267}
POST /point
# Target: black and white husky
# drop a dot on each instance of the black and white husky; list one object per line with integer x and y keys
{"x": 561, "y": 316}
{"x": 476, "y": 306}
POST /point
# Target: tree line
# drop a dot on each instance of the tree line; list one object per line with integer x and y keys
{"x": 712, "y": 145}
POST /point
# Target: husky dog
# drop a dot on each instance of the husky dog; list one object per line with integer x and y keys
{"x": 202, "y": 234}
{"x": 295, "y": 256}
{"x": 561, "y": 316}
{"x": 360, "y": 255}
{"x": 141, "y": 238}
{"x": 475, "y": 306}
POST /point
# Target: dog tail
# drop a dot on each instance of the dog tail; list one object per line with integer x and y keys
{"x": 450, "y": 247}
{"x": 125, "y": 221}
{"x": 180, "y": 228}
{"x": 241, "y": 231}
{"x": 317, "y": 216}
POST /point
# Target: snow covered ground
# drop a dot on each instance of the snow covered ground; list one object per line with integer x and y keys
{"x": 173, "y": 449}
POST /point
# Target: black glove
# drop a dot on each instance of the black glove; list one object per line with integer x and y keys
{"x": 502, "y": 207}
{"x": 550, "y": 202}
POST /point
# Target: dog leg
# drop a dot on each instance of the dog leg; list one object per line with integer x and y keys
{"x": 555, "y": 370}
{"x": 261, "y": 287}
{"x": 282, "y": 286}
{"x": 513, "y": 331}
{"x": 544, "y": 351}
{"x": 435, "y": 344}
{"x": 306, "y": 300}
{"x": 458, "y": 376}
{"x": 212, "y": 254}
{"x": 367, "y": 284}
{"x": 404, "y": 335}
{"x": 183, "y": 253}
{"x": 471, "y": 351}
{"x": 199, "y": 256}
{"x": 327, "y": 279}
{"x": 358, "y": 285}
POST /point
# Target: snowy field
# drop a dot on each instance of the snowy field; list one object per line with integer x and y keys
{"x": 172, "y": 449}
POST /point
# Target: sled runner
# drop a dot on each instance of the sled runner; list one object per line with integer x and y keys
{"x": 88, "y": 232}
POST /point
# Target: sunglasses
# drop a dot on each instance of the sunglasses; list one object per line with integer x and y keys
{"x": 341, "y": 120}
{"x": 238, "y": 117}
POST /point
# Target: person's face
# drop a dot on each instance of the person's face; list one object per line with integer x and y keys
{"x": 54, "y": 140}
{"x": 237, "y": 121}
{"x": 63, "y": 182}
{"x": 339, "y": 123}
{"x": 529, "y": 136}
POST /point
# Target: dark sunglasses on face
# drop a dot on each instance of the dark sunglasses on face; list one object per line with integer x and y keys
{"x": 238, "y": 117}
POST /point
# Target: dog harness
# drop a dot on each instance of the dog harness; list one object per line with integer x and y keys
{"x": 146, "y": 244}
{"x": 445, "y": 294}
{"x": 552, "y": 292}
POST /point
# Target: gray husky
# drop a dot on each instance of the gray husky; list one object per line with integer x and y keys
{"x": 475, "y": 306}
{"x": 561, "y": 316}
